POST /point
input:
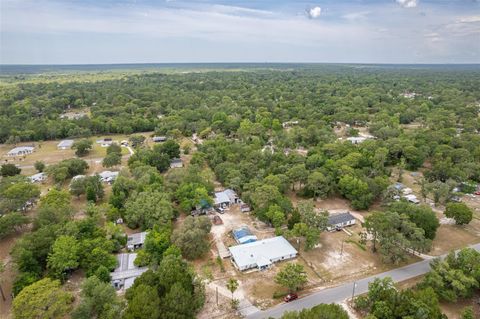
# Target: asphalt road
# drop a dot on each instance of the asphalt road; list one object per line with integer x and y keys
{"x": 345, "y": 291}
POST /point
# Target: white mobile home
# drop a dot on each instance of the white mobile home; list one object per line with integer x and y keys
{"x": 262, "y": 254}
{"x": 21, "y": 150}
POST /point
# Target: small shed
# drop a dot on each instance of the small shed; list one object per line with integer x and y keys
{"x": 217, "y": 220}
{"x": 21, "y": 150}
{"x": 176, "y": 163}
{"x": 65, "y": 144}
{"x": 339, "y": 221}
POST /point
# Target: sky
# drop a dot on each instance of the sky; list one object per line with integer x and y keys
{"x": 176, "y": 31}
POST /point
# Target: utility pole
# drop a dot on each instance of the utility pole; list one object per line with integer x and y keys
{"x": 341, "y": 252}
{"x": 216, "y": 288}
{"x": 353, "y": 291}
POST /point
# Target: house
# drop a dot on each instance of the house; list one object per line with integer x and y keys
{"x": 356, "y": 139}
{"x": 407, "y": 191}
{"x": 339, "y": 221}
{"x": 105, "y": 142}
{"x": 159, "y": 139}
{"x": 38, "y": 178}
{"x": 243, "y": 235}
{"x": 108, "y": 176}
{"x": 65, "y": 144}
{"x": 226, "y": 198}
{"x": 176, "y": 163}
{"x": 74, "y": 178}
{"x": 245, "y": 208}
{"x": 412, "y": 199}
{"x": 262, "y": 254}
{"x": 399, "y": 186}
{"x": 21, "y": 150}
{"x": 135, "y": 241}
{"x": 125, "y": 274}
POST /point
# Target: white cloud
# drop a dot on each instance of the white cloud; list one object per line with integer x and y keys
{"x": 407, "y": 3}
{"x": 314, "y": 13}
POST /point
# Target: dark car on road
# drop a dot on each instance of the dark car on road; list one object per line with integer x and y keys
{"x": 290, "y": 297}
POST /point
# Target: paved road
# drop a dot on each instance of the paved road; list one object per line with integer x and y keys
{"x": 343, "y": 292}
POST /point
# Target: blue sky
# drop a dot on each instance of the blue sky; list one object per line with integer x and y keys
{"x": 141, "y": 31}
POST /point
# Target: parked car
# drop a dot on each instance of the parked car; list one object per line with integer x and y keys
{"x": 477, "y": 193}
{"x": 290, "y": 297}
{"x": 220, "y": 210}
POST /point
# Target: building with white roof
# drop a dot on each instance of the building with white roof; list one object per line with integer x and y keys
{"x": 65, "y": 144}
{"x": 39, "y": 177}
{"x": 135, "y": 241}
{"x": 21, "y": 150}
{"x": 262, "y": 254}
{"x": 125, "y": 274}
{"x": 108, "y": 176}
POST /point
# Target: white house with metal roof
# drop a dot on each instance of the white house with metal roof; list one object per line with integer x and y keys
{"x": 125, "y": 274}
{"x": 262, "y": 254}
{"x": 21, "y": 150}
{"x": 65, "y": 144}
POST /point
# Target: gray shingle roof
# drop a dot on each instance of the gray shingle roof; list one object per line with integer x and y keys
{"x": 340, "y": 218}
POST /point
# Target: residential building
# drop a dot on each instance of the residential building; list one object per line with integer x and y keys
{"x": 38, "y": 178}
{"x": 136, "y": 241}
{"x": 125, "y": 274}
{"x": 21, "y": 150}
{"x": 262, "y": 254}
{"x": 226, "y": 198}
{"x": 65, "y": 144}
{"x": 159, "y": 139}
{"x": 339, "y": 221}
{"x": 108, "y": 176}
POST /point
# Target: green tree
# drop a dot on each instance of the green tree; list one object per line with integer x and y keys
{"x": 12, "y": 222}
{"x": 42, "y": 299}
{"x": 356, "y": 191}
{"x": 460, "y": 212}
{"x": 148, "y": 208}
{"x": 98, "y": 300}
{"x": 39, "y": 166}
{"x": 82, "y": 147}
{"x": 64, "y": 256}
{"x": 9, "y": 170}
{"x": 143, "y": 304}
{"x": 232, "y": 285}
{"x": 112, "y": 159}
{"x": 468, "y": 313}
{"x": 292, "y": 276}
{"x": 318, "y": 184}
{"x": 191, "y": 236}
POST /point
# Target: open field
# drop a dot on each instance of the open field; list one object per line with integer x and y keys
{"x": 48, "y": 152}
